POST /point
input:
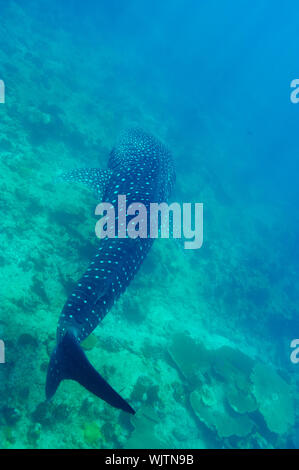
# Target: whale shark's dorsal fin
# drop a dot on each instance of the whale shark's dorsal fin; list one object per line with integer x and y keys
{"x": 95, "y": 178}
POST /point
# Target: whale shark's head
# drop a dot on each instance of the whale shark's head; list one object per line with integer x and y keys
{"x": 135, "y": 147}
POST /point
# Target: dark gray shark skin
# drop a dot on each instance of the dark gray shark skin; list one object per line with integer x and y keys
{"x": 141, "y": 168}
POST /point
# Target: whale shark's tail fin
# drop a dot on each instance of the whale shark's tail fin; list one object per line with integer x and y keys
{"x": 68, "y": 361}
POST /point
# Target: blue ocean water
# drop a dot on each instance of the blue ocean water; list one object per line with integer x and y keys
{"x": 201, "y": 337}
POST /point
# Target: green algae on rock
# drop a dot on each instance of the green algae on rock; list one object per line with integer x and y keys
{"x": 90, "y": 342}
{"x": 92, "y": 433}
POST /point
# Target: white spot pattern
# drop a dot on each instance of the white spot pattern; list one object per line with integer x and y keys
{"x": 141, "y": 168}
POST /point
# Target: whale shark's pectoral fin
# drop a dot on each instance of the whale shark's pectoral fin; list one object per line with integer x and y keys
{"x": 94, "y": 178}
{"x": 68, "y": 361}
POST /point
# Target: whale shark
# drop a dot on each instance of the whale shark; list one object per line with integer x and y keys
{"x": 141, "y": 168}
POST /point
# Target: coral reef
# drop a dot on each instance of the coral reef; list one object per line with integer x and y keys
{"x": 274, "y": 397}
{"x": 144, "y": 435}
{"x": 229, "y": 389}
